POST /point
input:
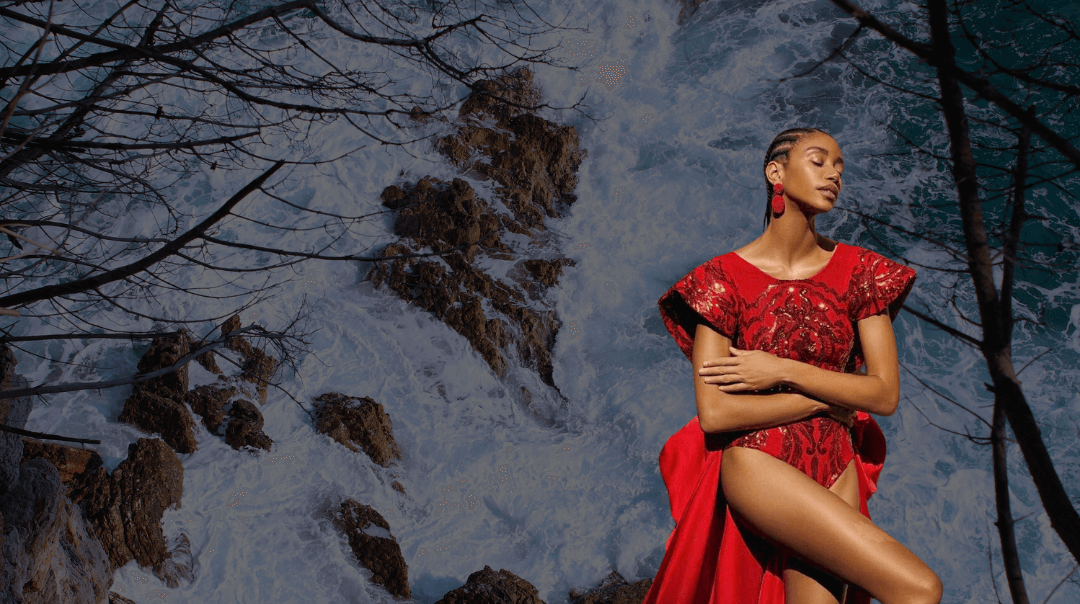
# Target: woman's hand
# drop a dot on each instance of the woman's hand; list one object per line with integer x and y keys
{"x": 744, "y": 370}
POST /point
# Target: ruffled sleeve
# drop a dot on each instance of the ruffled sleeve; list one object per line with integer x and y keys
{"x": 706, "y": 295}
{"x": 879, "y": 284}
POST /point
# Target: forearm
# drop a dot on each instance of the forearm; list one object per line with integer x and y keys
{"x": 722, "y": 412}
{"x": 870, "y": 393}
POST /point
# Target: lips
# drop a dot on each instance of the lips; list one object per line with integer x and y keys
{"x": 831, "y": 189}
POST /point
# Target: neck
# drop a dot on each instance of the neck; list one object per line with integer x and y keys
{"x": 791, "y": 236}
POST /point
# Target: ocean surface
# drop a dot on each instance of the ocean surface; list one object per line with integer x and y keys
{"x": 567, "y": 489}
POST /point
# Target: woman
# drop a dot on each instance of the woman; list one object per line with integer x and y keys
{"x": 778, "y": 332}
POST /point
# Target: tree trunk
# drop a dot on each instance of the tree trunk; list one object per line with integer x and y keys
{"x": 996, "y": 347}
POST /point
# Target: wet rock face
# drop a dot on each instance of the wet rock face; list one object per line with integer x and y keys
{"x": 209, "y": 401}
{"x": 48, "y": 553}
{"x": 226, "y": 407}
{"x": 373, "y": 545}
{"x": 360, "y": 424}
{"x": 13, "y": 412}
{"x": 258, "y": 367}
{"x": 535, "y": 161}
{"x": 74, "y": 464}
{"x": 156, "y": 405}
{"x": 245, "y": 427}
{"x": 490, "y": 587}
{"x": 534, "y": 165}
{"x": 125, "y": 508}
{"x": 613, "y": 590}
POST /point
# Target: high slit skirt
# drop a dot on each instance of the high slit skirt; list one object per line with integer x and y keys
{"x": 710, "y": 558}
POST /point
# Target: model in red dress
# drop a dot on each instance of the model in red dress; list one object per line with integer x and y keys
{"x": 774, "y": 552}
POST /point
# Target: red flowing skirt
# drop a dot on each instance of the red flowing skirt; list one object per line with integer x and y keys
{"x": 711, "y": 559}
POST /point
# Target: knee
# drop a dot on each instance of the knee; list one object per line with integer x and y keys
{"x": 928, "y": 588}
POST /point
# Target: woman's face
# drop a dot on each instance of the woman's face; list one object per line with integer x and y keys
{"x": 812, "y": 176}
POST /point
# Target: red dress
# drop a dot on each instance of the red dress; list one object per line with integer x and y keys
{"x": 709, "y": 558}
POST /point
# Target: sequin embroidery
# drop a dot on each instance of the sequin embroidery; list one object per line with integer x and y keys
{"x": 810, "y": 320}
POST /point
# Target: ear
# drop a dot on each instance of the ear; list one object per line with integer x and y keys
{"x": 774, "y": 171}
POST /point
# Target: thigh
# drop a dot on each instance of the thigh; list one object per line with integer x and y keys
{"x": 817, "y": 525}
{"x": 806, "y": 584}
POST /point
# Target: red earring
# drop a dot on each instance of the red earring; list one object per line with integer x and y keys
{"x": 778, "y": 204}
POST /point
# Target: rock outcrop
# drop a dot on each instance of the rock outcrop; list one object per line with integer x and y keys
{"x": 373, "y": 545}
{"x": 126, "y": 507}
{"x": 533, "y": 164}
{"x": 209, "y": 402}
{"x": 613, "y": 590}
{"x": 257, "y": 367}
{"x": 360, "y": 424}
{"x": 490, "y": 587}
{"x": 47, "y": 551}
{"x": 49, "y": 555}
{"x": 13, "y": 412}
{"x": 227, "y": 408}
{"x": 75, "y": 465}
{"x": 157, "y": 405}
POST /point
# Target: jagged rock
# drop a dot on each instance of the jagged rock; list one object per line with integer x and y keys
{"x": 258, "y": 367}
{"x": 360, "y": 424}
{"x": 125, "y": 509}
{"x": 373, "y": 545}
{"x": 613, "y": 590}
{"x": 447, "y": 216}
{"x": 516, "y": 88}
{"x": 208, "y": 362}
{"x": 164, "y": 351}
{"x": 533, "y": 159}
{"x": 49, "y": 556}
{"x": 165, "y": 416}
{"x": 74, "y": 464}
{"x": 534, "y": 164}
{"x": 490, "y": 587}
{"x": 13, "y": 412}
{"x": 115, "y": 598}
{"x": 209, "y": 401}
{"x": 546, "y": 272}
{"x": 245, "y": 427}
{"x": 156, "y": 405}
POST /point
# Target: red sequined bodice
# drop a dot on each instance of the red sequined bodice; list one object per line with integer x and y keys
{"x": 809, "y": 320}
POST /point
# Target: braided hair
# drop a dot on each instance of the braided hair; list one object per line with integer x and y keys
{"x": 778, "y": 150}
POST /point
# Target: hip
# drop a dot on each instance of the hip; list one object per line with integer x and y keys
{"x": 819, "y": 446}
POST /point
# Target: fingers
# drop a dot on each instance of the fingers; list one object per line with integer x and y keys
{"x": 736, "y": 387}
{"x": 721, "y": 376}
{"x": 723, "y": 361}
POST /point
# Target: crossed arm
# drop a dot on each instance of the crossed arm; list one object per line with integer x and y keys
{"x": 727, "y": 382}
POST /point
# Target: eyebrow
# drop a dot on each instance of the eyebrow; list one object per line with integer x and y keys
{"x": 823, "y": 150}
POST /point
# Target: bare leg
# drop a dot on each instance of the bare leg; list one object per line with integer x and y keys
{"x": 804, "y": 584}
{"x": 823, "y": 529}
